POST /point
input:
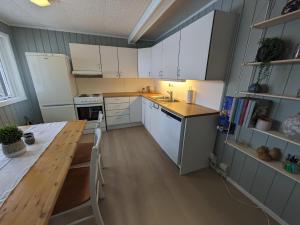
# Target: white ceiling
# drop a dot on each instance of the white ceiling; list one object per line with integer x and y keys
{"x": 108, "y": 17}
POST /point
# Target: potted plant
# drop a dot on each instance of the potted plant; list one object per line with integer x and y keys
{"x": 12, "y": 144}
{"x": 270, "y": 49}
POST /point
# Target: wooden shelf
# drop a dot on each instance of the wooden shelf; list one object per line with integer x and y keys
{"x": 279, "y": 135}
{"x": 270, "y": 95}
{"x": 278, "y": 20}
{"x": 273, "y": 164}
{"x": 277, "y": 62}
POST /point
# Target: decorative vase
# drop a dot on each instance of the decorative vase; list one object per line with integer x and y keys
{"x": 14, "y": 149}
{"x": 291, "y": 126}
{"x": 254, "y": 88}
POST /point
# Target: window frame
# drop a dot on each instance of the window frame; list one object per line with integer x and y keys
{"x": 11, "y": 79}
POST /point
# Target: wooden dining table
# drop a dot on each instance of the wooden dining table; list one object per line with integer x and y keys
{"x": 33, "y": 199}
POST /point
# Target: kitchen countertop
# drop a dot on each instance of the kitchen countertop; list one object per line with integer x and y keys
{"x": 180, "y": 108}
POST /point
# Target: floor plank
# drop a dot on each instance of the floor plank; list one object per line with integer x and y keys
{"x": 143, "y": 187}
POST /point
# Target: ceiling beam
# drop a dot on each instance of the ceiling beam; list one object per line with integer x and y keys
{"x": 152, "y": 13}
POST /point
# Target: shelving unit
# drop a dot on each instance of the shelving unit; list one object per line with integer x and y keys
{"x": 279, "y": 135}
{"x": 278, "y": 20}
{"x": 273, "y": 164}
{"x": 270, "y": 95}
{"x": 277, "y": 62}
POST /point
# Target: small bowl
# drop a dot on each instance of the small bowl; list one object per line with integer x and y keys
{"x": 29, "y": 138}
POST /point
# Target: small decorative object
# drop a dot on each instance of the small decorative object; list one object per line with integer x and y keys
{"x": 291, "y": 164}
{"x": 291, "y": 6}
{"x": 263, "y": 124}
{"x": 270, "y": 49}
{"x": 148, "y": 89}
{"x": 298, "y": 93}
{"x": 12, "y": 144}
{"x": 275, "y": 154}
{"x": 297, "y": 52}
{"x": 263, "y": 153}
{"x": 291, "y": 126}
{"x": 29, "y": 138}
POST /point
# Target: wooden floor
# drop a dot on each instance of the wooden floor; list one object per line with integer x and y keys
{"x": 143, "y": 188}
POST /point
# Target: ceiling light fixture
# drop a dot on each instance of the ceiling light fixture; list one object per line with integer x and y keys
{"x": 42, "y": 3}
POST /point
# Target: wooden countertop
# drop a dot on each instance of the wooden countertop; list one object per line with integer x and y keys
{"x": 32, "y": 201}
{"x": 180, "y": 108}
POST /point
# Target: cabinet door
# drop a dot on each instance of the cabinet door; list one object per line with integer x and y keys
{"x": 144, "y": 62}
{"x": 170, "y": 56}
{"x": 148, "y": 111}
{"x": 194, "y": 48}
{"x": 143, "y": 110}
{"x": 128, "y": 62}
{"x": 156, "y": 59}
{"x": 109, "y": 59}
{"x": 155, "y": 123}
{"x": 135, "y": 109}
{"x": 85, "y": 57}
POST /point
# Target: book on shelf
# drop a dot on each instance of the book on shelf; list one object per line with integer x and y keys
{"x": 246, "y": 111}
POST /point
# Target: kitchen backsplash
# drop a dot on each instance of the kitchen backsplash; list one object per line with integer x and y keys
{"x": 206, "y": 93}
{"x": 91, "y": 85}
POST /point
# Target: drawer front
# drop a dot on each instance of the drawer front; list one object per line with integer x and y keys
{"x": 116, "y": 100}
{"x": 116, "y": 120}
{"x": 118, "y": 112}
{"x": 116, "y": 106}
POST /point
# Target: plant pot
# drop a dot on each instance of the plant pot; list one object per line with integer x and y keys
{"x": 263, "y": 124}
{"x": 14, "y": 150}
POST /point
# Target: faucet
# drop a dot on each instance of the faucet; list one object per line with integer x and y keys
{"x": 171, "y": 95}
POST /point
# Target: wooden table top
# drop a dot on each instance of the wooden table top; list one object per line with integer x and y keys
{"x": 32, "y": 201}
{"x": 180, "y": 108}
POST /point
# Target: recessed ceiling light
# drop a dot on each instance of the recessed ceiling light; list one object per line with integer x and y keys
{"x": 42, "y": 3}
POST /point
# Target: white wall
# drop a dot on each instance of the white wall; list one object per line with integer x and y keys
{"x": 100, "y": 85}
{"x": 206, "y": 93}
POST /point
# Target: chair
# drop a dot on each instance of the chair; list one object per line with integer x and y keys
{"x": 83, "y": 188}
{"x": 83, "y": 150}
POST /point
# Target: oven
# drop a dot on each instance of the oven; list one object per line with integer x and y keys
{"x": 91, "y": 113}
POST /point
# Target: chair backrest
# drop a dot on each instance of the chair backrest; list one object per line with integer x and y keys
{"x": 95, "y": 182}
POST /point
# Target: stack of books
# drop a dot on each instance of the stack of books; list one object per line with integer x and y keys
{"x": 246, "y": 111}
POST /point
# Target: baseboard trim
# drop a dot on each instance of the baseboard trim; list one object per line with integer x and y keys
{"x": 112, "y": 127}
{"x": 257, "y": 202}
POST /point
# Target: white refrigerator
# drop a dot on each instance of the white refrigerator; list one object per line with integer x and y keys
{"x": 54, "y": 85}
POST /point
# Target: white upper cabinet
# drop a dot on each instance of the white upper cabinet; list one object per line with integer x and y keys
{"x": 85, "y": 58}
{"x": 194, "y": 48}
{"x": 170, "y": 56}
{"x": 109, "y": 59}
{"x": 205, "y": 47}
{"x": 144, "y": 62}
{"x": 156, "y": 59}
{"x": 128, "y": 62}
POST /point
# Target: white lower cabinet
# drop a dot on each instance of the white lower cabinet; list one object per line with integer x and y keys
{"x": 123, "y": 110}
{"x": 184, "y": 140}
{"x": 135, "y": 107}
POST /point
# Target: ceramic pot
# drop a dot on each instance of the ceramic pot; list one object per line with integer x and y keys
{"x": 14, "y": 150}
{"x": 291, "y": 126}
{"x": 254, "y": 88}
{"x": 263, "y": 125}
{"x": 29, "y": 138}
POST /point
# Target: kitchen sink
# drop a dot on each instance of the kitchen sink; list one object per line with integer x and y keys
{"x": 164, "y": 99}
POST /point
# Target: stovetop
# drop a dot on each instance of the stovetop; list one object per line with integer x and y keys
{"x": 88, "y": 99}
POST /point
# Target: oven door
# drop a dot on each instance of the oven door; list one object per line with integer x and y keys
{"x": 88, "y": 112}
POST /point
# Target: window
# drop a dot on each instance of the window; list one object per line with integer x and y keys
{"x": 11, "y": 88}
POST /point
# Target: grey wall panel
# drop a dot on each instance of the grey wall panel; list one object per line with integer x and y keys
{"x": 248, "y": 173}
{"x": 237, "y": 165}
{"x": 258, "y": 139}
{"x": 262, "y": 182}
{"x": 291, "y": 213}
{"x": 279, "y": 193}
